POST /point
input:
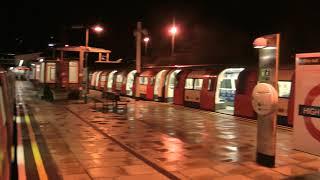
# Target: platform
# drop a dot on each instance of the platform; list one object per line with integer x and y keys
{"x": 149, "y": 140}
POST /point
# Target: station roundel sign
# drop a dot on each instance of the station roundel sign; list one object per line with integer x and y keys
{"x": 311, "y": 96}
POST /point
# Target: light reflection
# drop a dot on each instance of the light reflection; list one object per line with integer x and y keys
{"x": 174, "y": 146}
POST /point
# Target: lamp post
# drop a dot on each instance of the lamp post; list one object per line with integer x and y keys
{"x": 173, "y": 31}
{"x": 146, "y": 41}
{"x": 97, "y": 29}
{"x": 265, "y": 98}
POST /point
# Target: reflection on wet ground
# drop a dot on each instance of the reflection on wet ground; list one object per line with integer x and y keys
{"x": 184, "y": 140}
{"x": 188, "y": 143}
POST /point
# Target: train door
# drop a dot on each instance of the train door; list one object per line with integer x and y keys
{"x": 93, "y": 78}
{"x": 37, "y": 72}
{"x": 284, "y": 91}
{"x": 97, "y": 80}
{"x": 110, "y": 80}
{"x": 247, "y": 80}
{"x": 130, "y": 82}
{"x": 90, "y": 79}
{"x": 171, "y": 82}
{"x": 226, "y": 88}
{"x": 179, "y": 91}
{"x": 150, "y": 87}
{"x": 119, "y": 80}
{"x": 207, "y": 97}
{"x": 159, "y": 85}
{"x": 193, "y": 88}
{"x": 50, "y": 72}
{"x": 102, "y": 80}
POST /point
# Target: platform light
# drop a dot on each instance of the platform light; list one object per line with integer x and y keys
{"x": 260, "y": 43}
{"x": 33, "y": 64}
{"x": 11, "y": 68}
{"x": 270, "y": 47}
{"x": 67, "y": 45}
{"x": 21, "y": 62}
{"x": 41, "y": 60}
{"x": 97, "y": 28}
{"x": 146, "y": 39}
{"x": 173, "y": 30}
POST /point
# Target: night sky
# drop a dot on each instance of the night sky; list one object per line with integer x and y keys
{"x": 209, "y": 30}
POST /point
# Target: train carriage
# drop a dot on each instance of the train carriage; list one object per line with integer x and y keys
{"x": 200, "y": 89}
{"x": 7, "y": 103}
{"x": 120, "y": 81}
{"x": 145, "y": 84}
{"x": 223, "y": 90}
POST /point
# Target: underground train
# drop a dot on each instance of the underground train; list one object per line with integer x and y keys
{"x": 223, "y": 90}
{"x": 7, "y": 103}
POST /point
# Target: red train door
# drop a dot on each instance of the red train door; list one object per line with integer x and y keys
{"x": 246, "y": 82}
{"x": 207, "y": 94}
{"x": 178, "y": 97}
{"x": 150, "y": 88}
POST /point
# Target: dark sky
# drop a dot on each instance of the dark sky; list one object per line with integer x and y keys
{"x": 28, "y": 26}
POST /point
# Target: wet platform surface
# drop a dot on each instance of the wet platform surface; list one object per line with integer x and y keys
{"x": 152, "y": 140}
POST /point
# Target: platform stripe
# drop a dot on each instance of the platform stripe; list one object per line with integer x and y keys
{"x": 35, "y": 149}
{"x": 20, "y": 152}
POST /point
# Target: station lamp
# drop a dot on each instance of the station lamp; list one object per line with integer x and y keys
{"x": 263, "y": 43}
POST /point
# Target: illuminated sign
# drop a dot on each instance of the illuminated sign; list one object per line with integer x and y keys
{"x": 309, "y": 61}
{"x": 307, "y": 103}
{"x": 309, "y": 111}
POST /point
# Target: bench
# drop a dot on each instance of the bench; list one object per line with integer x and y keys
{"x": 115, "y": 98}
{"x": 111, "y": 98}
{"x": 104, "y": 102}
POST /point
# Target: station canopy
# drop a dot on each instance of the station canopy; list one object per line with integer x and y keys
{"x": 84, "y": 49}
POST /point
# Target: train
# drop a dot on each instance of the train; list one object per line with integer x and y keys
{"x": 7, "y": 112}
{"x": 224, "y": 90}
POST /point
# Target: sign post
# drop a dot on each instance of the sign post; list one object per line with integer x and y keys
{"x": 265, "y": 98}
{"x": 307, "y": 103}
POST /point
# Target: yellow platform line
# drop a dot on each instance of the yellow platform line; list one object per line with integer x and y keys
{"x": 20, "y": 152}
{"x": 35, "y": 149}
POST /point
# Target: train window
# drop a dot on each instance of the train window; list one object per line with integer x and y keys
{"x": 143, "y": 80}
{"x": 51, "y": 72}
{"x": 198, "y": 84}
{"x": 284, "y": 89}
{"x": 152, "y": 79}
{"x": 119, "y": 78}
{"x": 189, "y": 83}
{"x": 73, "y": 72}
{"x": 209, "y": 85}
{"x": 226, "y": 83}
